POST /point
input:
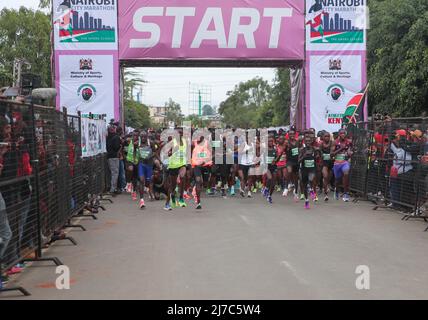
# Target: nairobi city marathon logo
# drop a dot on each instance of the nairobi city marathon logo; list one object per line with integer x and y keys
{"x": 80, "y": 21}
{"x": 336, "y": 21}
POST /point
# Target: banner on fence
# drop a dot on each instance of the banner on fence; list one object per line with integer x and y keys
{"x": 94, "y": 134}
{"x": 211, "y": 29}
{"x": 85, "y": 25}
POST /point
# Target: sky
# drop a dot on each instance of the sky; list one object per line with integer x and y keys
{"x": 174, "y": 83}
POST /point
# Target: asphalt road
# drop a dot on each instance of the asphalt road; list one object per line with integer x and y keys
{"x": 238, "y": 249}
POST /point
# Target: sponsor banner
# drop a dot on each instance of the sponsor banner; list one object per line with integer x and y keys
{"x": 333, "y": 80}
{"x": 94, "y": 135}
{"x": 86, "y": 83}
{"x": 211, "y": 29}
{"x": 335, "y": 25}
{"x": 85, "y": 24}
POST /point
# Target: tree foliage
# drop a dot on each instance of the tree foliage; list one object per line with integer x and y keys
{"x": 398, "y": 57}
{"x": 173, "y": 112}
{"x": 25, "y": 33}
{"x": 137, "y": 115}
{"x": 255, "y": 103}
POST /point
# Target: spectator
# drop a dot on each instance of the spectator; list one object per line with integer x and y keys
{"x": 122, "y": 178}
{"x": 113, "y": 148}
{"x": 401, "y": 165}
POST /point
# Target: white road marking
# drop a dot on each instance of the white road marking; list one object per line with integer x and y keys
{"x": 294, "y": 272}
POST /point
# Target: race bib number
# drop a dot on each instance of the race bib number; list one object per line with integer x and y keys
{"x": 326, "y": 157}
{"x": 309, "y": 163}
{"x": 202, "y": 155}
{"x": 340, "y": 157}
{"x": 144, "y": 154}
{"x": 295, "y": 152}
{"x": 270, "y": 160}
{"x": 283, "y": 158}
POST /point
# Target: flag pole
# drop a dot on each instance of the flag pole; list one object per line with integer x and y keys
{"x": 364, "y": 97}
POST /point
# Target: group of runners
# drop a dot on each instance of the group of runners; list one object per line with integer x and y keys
{"x": 305, "y": 165}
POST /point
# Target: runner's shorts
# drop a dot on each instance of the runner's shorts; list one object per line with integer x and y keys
{"x": 145, "y": 171}
{"x": 340, "y": 169}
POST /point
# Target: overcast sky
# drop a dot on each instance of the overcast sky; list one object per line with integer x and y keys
{"x": 165, "y": 83}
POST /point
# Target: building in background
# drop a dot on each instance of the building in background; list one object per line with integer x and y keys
{"x": 158, "y": 114}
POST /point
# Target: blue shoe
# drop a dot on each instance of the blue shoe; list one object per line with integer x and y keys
{"x": 167, "y": 207}
{"x": 346, "y": 197}
{"x": 269, "y": 199}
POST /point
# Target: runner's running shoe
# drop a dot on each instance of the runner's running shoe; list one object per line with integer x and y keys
{"x": 269, "y": 199}
{"x": 232, "y": 191}
{"x": 167, "y": 207}
{"x": 134, "y": 196}
{"x": 223, "y": 193}
{"x": 186, "y": 196}
{"x": 307, "y": 206}
{"x": 198, "y": 206}
{"x": 285, "y": 193}
{"x": 336, "y": 195}
{"x": 326, "y": 198}
{"x": 242, "y": 193}
{"x": 266, "y": 193}
{"x": 142, "y": 204}
{"x": 296, "y": 197}
{"x": 249, "y": 194}
{"x": 182, "y": 203}
{"x": 346, "y": 197}
{"x": 302, "y": 197}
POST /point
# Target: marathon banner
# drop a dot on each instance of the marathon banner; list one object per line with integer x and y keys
{"x": 94, "y": 134}
{"x": 333, "y": 81}
{"x": 336, "y": 25}
{"x": 336, "y": 67}
{"x": 212, "y": 29}
{"x": 85, "y": 24}
{"x": 87, "y": 83}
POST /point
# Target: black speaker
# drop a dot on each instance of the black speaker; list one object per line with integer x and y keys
{"x": 29, "y": 82}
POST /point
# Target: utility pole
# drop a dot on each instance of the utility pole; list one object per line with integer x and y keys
{"x": 18, "y": 63}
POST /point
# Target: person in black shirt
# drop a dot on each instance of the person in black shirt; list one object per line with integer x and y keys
{"x": 113, "y": 148}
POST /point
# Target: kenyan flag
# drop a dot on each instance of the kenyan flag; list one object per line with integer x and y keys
{"x": 355, "y": 108}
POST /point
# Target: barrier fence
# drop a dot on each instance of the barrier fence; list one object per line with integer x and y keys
{"x": 390, "y": 164}
{"x": 44, "y": 182}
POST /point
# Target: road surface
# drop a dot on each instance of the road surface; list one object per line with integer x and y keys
{"x": 238, "y": 248}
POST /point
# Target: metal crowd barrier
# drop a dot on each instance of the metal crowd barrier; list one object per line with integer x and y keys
{"x": 44, "y": 182}
{"x": 390, "y": 166}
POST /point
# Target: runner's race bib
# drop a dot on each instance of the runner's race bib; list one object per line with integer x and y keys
{"x": 202, "y": 155}
{"x": 144, "y": 154}
{"x": 340, "y": 157}
{"x": 326, "y": 157}
{"x": 270, "y": 160}
{"x": 309, "y": 163}
{"x": 295, "y": 152}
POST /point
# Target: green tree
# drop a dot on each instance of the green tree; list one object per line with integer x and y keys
{"x": 207, "y": 110}
{"x": 173, "y": 112}
{"x": 242, "y": 107}
{"x": 398, "y": 57}
{"x": 136, "y": 115}
{"x": 132, "y": 79}
{"x": 196, "y": 121}
{"x": 25, "y": 33}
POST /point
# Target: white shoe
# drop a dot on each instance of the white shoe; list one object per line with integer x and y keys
{"x": 249, "y": 194}
{"x": 285, "y": 193}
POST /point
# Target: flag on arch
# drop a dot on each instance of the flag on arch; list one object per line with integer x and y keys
{"x": 355, "y": 108}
